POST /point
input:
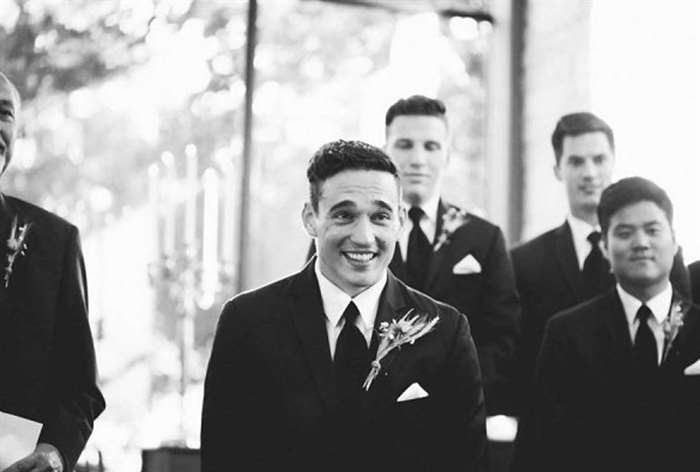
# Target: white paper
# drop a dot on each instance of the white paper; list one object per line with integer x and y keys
{"x": 18, "y": 438}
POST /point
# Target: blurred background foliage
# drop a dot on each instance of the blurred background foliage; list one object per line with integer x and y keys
{"x": 109, "y": 86}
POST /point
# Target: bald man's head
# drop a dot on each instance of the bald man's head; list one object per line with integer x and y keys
{"x": 9, "y": 111}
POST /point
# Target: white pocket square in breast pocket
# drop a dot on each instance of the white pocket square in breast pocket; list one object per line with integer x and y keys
{"x": 468, "y": 265}
{"x": 693, "y": 369}
{"x": 413, "y": 392}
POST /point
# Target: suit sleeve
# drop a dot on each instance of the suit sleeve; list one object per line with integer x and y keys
{"x": 465, "y": 438}
{"x": 500, "y": 325}
{"x": 75, "y": 400}
{"x": 237, "y": 411}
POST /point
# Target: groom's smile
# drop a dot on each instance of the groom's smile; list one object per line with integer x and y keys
{"x": 356, "y": 226}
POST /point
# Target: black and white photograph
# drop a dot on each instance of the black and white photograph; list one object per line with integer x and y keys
{"x": 349, "y": 235}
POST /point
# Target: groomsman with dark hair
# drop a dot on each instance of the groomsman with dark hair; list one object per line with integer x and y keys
{"x": 618, "y": 377}
{"x": 565, "y": 265}
{"x": 446, "y": 252}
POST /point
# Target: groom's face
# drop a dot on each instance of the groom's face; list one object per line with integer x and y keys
{"x": 356, "y": 226}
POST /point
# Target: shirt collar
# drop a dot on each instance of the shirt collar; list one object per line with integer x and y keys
{"x": 579, "y": 231}
{"x": 335, "y": 300}
{"x": 659, "y": 304}
{"x": 430, "y": 207}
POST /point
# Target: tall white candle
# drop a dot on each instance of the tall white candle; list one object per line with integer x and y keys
{"x": 154, "y": 205}
{"x": 210, "y": 237}
{"x": 168, "y": 161}
{"x": 191, "y": 199}
{"x": 229, "y": 222}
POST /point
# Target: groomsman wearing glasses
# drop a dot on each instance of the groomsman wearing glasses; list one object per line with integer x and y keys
{"x": 617, "y": 380}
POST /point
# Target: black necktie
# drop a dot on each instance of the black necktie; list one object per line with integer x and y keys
{"x": 594, "y": 268}
{"x": 351, "y": 362}
{"x": 645, "y": 342}
{"x": 418, "y": 252}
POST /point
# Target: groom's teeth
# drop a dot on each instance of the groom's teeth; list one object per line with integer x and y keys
{"x": 360, "y": 256}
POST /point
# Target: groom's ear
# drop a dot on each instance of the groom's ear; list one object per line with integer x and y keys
{"x": 308, "y": 217}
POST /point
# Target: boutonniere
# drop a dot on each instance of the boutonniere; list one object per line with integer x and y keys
{"x": 397, "y": 333}
{"x": 16, "y": 246}
{"x": 673, "y": 324}
{"x": 452, "y": 219}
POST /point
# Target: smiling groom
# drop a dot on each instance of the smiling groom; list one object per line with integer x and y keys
{"x": 284, "y": 386}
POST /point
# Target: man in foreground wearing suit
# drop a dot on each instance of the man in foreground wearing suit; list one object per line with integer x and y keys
{"x": 618, "y": 377}
{"x": 284, "y": 387}
{"x": 47, "y": 358}
{"x": 453, "y": 256}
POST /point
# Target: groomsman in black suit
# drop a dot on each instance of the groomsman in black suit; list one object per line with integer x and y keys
{"x": 618, "y": 377}
{"x": 694, "y": 270}
{"x": 565, "y": 266}
{"x": 47, "y": 358}
{"x": 284, "y": 386}
{"x": 451, "y": 255}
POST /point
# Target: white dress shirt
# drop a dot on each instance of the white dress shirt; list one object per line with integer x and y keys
{"x": 335, "y": 301}
{"x": 580, "y": 230}
{"x": 428, "y": 224}
{"x": 660, "y": 305}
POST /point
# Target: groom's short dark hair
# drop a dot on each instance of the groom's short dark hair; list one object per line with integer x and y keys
{"x": 629, "y": 191}
{"x": 338, "y": 156}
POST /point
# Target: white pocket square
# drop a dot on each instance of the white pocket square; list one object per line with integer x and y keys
{"x": 413, "y": 392}
{"x": 468, "y": 265}
{"x": 693, "y": 369}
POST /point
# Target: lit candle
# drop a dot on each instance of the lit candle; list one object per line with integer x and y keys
{"x": 210, "y": 181}
{"x": 153, "y": 204}
{"x": 229, "y": 215}
{"x": 169, "y": 221}
{"x": 191, "y": 199}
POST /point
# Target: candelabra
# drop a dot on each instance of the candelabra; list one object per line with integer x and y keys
{"x": 188, "y": 270}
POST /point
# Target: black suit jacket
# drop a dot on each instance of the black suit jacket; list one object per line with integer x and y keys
{"x": 47, "y": 357}
{"x": 489, "y": 298}
{"x": 694, "y": 270}
{"x": 270, "y": 401}
{"x": 596, "y": 411}
{"x": 549, "y": 280}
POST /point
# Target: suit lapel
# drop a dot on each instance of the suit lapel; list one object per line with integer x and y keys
{"x": 614, "y": 328}
{"x": 392, "y": 305}
{"x": 6, "y": 215}
{"x": 566, "y": 255}
{"x": 309, "y": 320}
{"x": 438, "y": 257}
{"x": 691, "y": 322}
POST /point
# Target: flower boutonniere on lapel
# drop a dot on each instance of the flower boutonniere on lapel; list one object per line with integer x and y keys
{"x": 16, "y": 246}
{"x": 673, "y": 324}
{"x": 407, "y": 329}
{"x": 452, "y": 219}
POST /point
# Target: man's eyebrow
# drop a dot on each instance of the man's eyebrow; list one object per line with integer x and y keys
{"x": 383, "y": 204}
{"x": 343, "y": 204}
{"x": 7, "y": 103}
